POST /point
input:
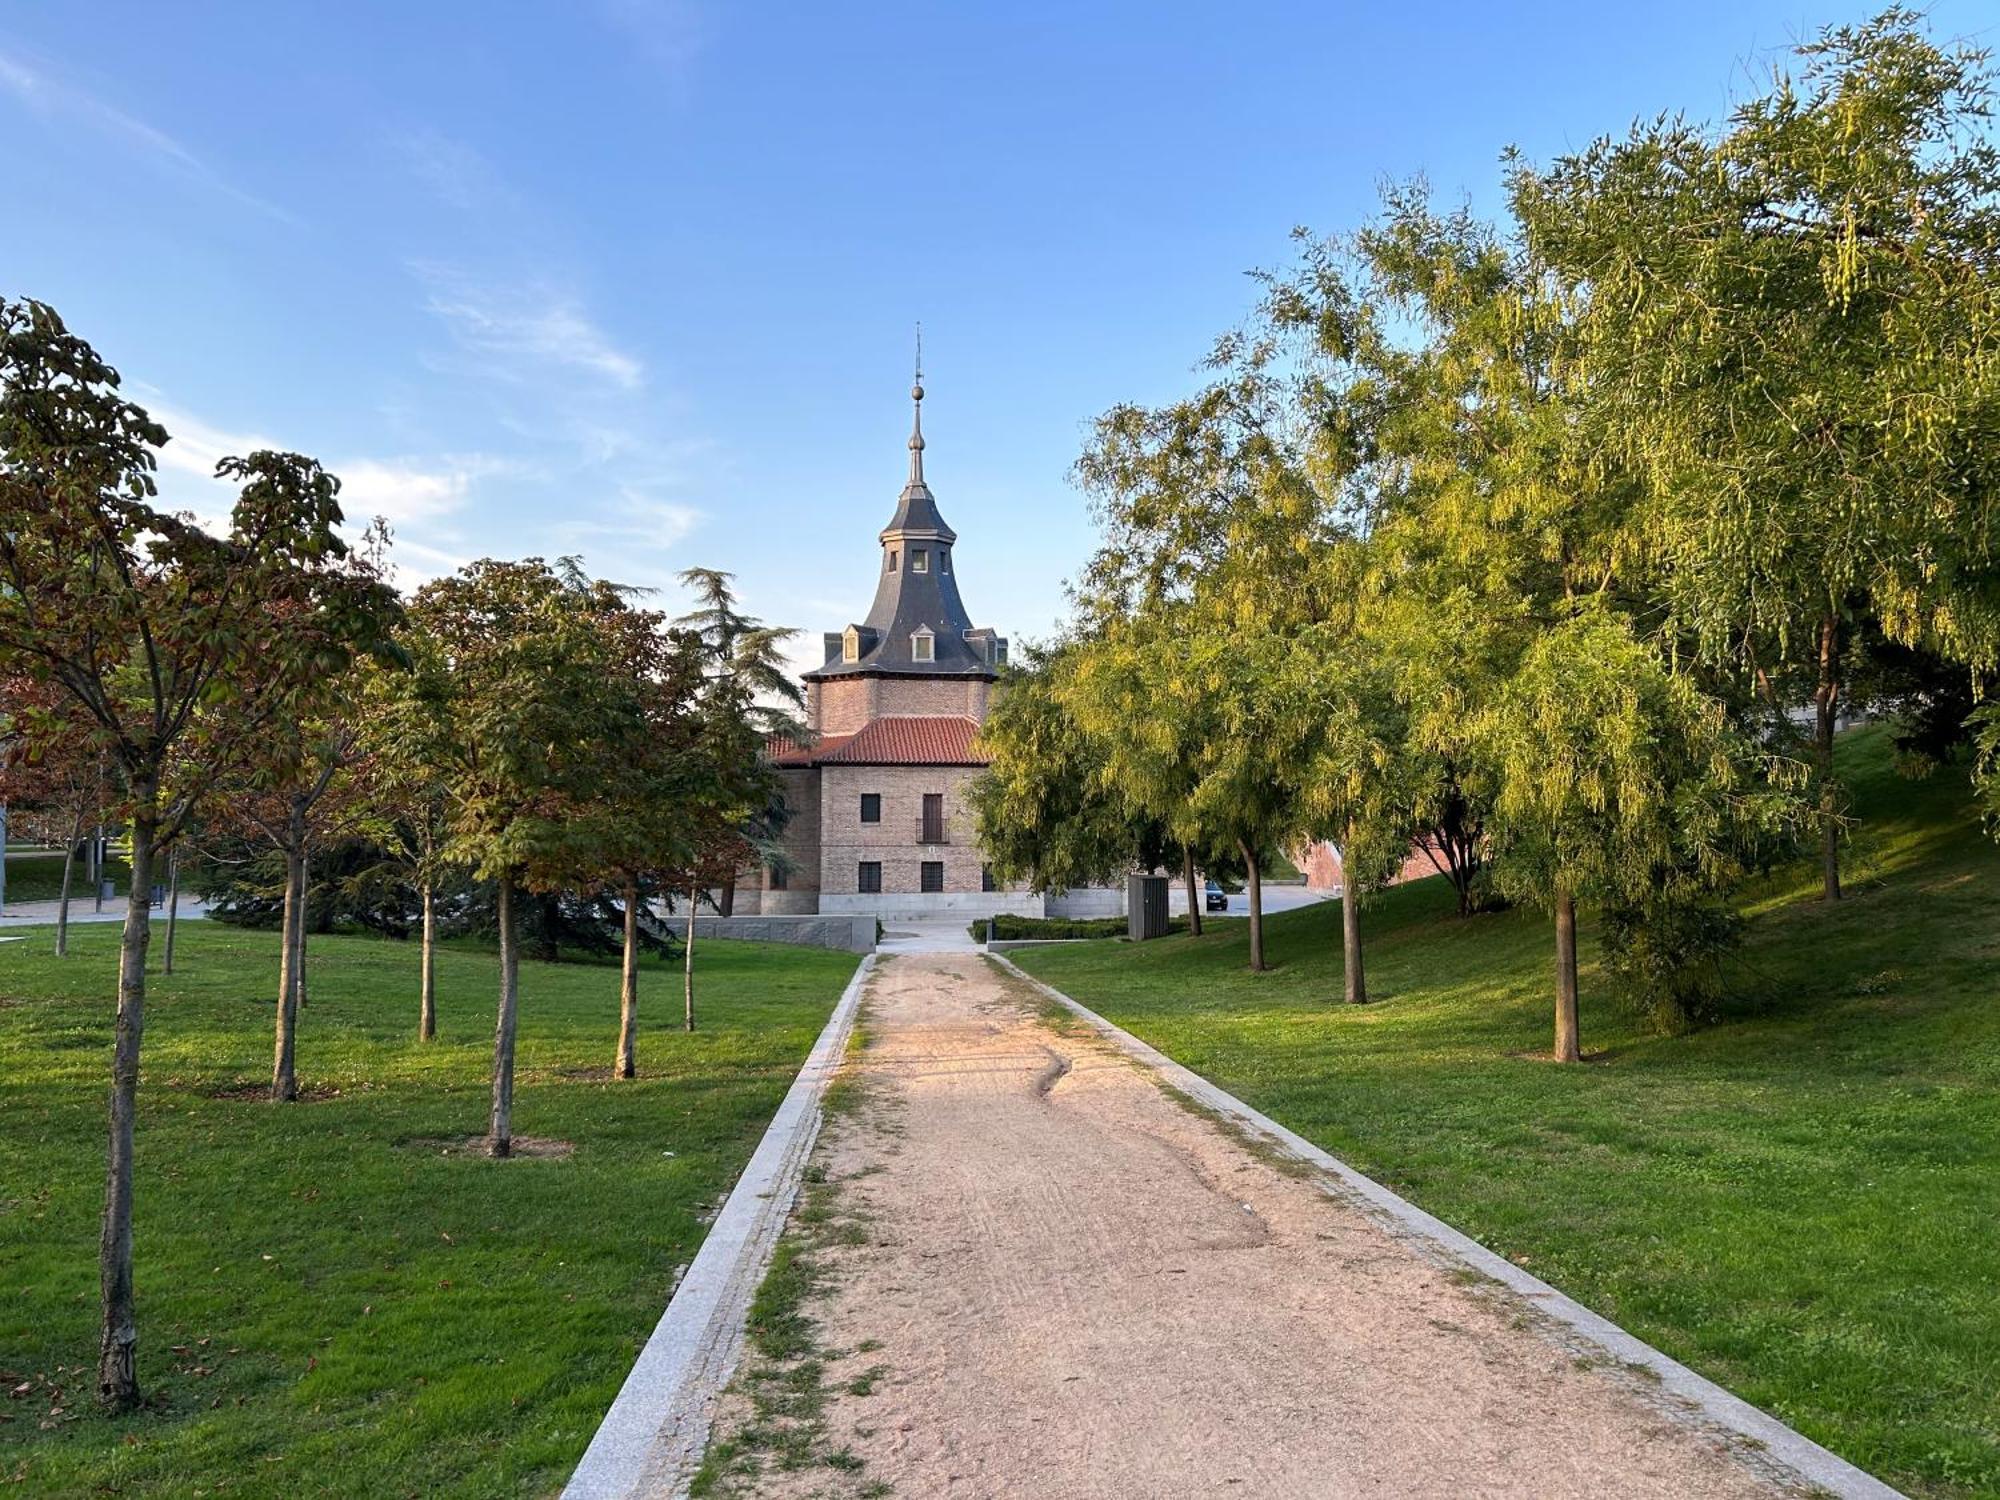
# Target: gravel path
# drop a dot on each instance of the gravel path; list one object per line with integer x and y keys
{"x": 1081, "y": 1289}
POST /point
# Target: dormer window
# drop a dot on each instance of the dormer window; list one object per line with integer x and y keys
{"x": 923, "y": 645}
{"x": 850, "y": 645}
{"x": 920, "y": 562}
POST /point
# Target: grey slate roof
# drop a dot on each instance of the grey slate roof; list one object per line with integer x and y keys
{"x": 908, "y": 600}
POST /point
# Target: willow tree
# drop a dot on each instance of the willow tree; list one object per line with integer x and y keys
{"x": 175, "y": 650}
{"x": 1620, "y": 784}
{"x": 1049, "y": 813}
{"x": 1792, "y": 323}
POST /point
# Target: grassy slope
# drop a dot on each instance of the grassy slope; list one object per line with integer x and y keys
{"x": 37, "y": 876}
{"x": 361, "y": 1315}
{"x": 1802, "y": 1203}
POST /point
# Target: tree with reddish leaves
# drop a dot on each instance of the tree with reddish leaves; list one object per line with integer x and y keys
{"x": 175, "y": 650}
{"x": 52, "y": 779}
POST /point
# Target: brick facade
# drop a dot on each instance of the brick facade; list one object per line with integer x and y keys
{"x": 841, "y": 705}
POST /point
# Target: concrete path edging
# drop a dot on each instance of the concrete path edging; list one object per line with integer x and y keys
{"x": 1826, "y": 1472}
{"x": 651, "y": 1440}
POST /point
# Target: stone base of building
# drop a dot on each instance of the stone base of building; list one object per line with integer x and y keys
{"x": 1093, "y": 901}
{"x": 966, "y": 904}
{"x": 846, "y": 933}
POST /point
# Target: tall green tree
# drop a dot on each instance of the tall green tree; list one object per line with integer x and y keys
{"x": 526, "y": 684}
{"x": 1620, "y": 784}
{"x": 406, "y": 731}
{"x": 174, "y": 649}
{"x": 1047, "y": 810}
{"x": 1791, "y": 324}
{"x": 646, "y": 821}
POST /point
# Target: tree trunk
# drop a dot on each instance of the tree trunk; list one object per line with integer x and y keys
{"x": 305, "y": 918}
{"x": 628, "y": 988}
{"x": 1255, "y": 885}
{"x": 687, "y": 958}
{"x": 729, "y": 897}
{"x": 284, "y": 1078}
{"x": 173, "y": 906}
{"x": 1826, "y": 704}
{"x": 427, "y": 1015}
{"x": 500, "y": 1129}
{"x": 1194, "y": 895}
{"x": 1566, "y": 1041}
{"x": 117, "y": 1351}
{"x": 62, "y": 903}
{"x": 1350, "y": 930}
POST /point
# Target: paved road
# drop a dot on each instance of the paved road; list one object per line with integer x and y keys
{"x": 43, "y": 913}
{"x": 1076, "y": 1288}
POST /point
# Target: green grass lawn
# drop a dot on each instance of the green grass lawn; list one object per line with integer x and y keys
{"x": 37, "y": 876}
{"x": 1803, "y": 1202}
{"x": 334, "y": 1296}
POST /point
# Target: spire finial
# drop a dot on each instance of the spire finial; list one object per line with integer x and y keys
{"x": 917, "y": 420}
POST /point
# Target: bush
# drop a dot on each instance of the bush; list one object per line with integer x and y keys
{"x": 1011, "y": 929}
{"x": 1664, "y": 959}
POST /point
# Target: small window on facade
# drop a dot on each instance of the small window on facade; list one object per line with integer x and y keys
{"x": 1000, "y": 652}
{"x": 986, "y": 880}
{"x": 892, "y": 559}
{"x": 933, "y": 875}
{"x": 776, "y": 881}
{"x": 944, "y": 559}
{"x": 868, "y": 878}
{"x": 920, "y": 561}
{"x": 923, "y": 646}
{"x": 871, "y": 807}
{"x": 850, "y": 646}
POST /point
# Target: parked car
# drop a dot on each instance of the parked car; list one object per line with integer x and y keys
{"x": 1214, "y": 898}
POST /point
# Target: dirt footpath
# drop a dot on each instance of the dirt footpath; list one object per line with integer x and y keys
{"x": 1073, "y": 1286}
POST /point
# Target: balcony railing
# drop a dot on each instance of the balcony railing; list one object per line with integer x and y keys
{"x": 932, "y": 832}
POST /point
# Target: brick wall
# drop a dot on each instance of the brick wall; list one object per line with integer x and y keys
{"x": 801, "y": 843}
{"x": 846, "y": 841}
{"x": 841, "y": 705}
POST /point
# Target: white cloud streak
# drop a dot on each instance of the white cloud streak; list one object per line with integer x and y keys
{"x": 50, "y": 97}
{"x": 520, "y": 330}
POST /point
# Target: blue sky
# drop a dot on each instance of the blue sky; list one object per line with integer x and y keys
{"x": 636, "y": 278}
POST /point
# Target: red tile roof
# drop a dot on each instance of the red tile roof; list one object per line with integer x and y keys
{"x": 940, "y": 740}
{"x": 784, "y": 752}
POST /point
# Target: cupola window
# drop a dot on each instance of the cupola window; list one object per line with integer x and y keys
{"x": 920, "y": 562}
{"x": 922, "y": 642}
{"x": 892, "y": 559}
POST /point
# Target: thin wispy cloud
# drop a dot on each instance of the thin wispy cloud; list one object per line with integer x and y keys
{"x": 524, "y": 330}
{"x": 44, "y": 93}
{"x": 453, "y": 171}
{"x": 669, "y": 34}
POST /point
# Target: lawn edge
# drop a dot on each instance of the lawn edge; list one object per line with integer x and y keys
{"x": 1820, "y": 1468}
{"x": 653, "y": 1435}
